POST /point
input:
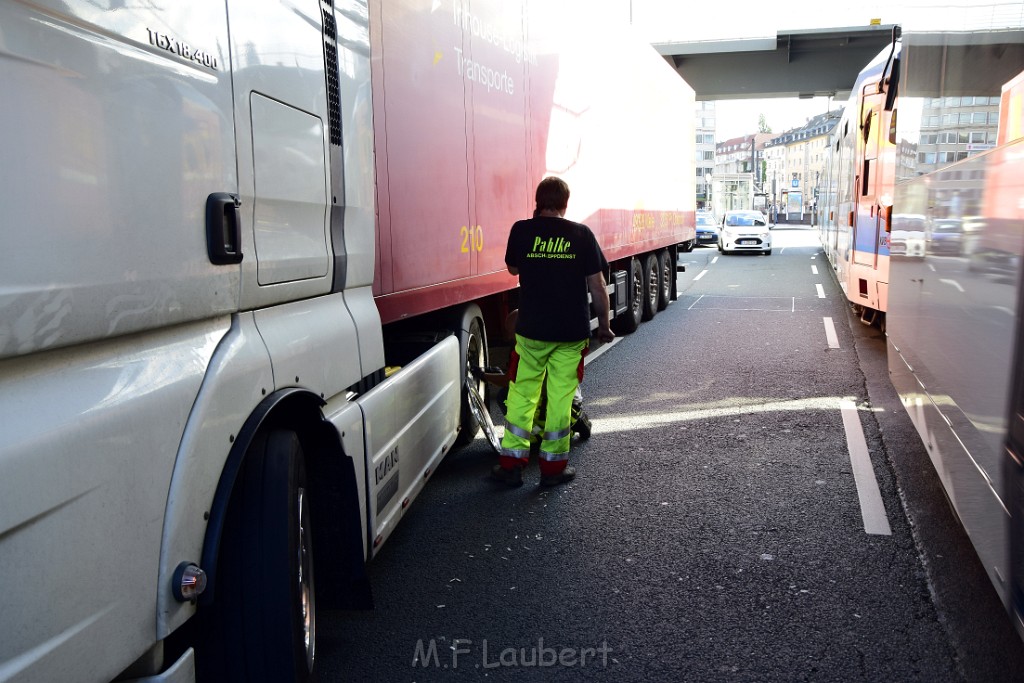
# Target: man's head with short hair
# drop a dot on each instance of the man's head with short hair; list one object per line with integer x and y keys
{"x": 552, "y": 195}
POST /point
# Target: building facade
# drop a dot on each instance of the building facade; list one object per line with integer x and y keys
{"x": 741, "y": 155}
{"x": 705, "y": 160}
{"x": 795, "y": 164}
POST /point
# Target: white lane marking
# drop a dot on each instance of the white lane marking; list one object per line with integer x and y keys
{"x": 952, "y": 283}
{"x": 821, "y": 291}
{"x": 872, "y": 510}
{"x": 625, "y": 421}
{"x": 1003, "y": 309}
{"x": 594, "y": 355}
{"x": 695, "y": 302}
{"x": 814, "y": 270}
{"x": 830, "y": 333}
{"x": 701, "y": 274}
{"x": 714, "y": 260}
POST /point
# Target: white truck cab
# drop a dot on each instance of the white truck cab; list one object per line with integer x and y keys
{"x": 192, "y": 379}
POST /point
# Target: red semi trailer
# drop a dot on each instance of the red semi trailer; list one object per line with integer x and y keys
{"x": 475, "y": 103}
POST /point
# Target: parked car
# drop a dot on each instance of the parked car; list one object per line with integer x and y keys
{"x": 707, "y": 228}
{"x": 944, "y": 236}
{"x": 907, "y": 237}
{"x": 744, "y": 230}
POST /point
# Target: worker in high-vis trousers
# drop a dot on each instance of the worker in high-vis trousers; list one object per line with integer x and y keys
{"x": 558, "y": 262}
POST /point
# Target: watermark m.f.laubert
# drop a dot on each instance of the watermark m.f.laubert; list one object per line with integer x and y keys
{"x": 465, "y": 653}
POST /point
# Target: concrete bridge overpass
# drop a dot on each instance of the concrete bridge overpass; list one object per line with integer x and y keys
{"x": 793, "y": 64}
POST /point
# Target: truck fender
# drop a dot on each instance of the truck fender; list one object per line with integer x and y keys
{"x": 339, "y": 558}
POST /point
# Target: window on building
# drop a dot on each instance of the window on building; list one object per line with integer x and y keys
{"x": 926, "y": 157}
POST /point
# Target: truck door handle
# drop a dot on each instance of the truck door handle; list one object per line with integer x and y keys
{"x": 223, "y": 228}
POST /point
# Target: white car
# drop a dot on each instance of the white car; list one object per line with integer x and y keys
{"x": 744, "y": 231}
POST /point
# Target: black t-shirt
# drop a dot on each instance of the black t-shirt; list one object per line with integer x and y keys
{"x": 554, "y": 257}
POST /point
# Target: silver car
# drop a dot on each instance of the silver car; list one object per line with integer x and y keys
{"x": 744, "y": 230}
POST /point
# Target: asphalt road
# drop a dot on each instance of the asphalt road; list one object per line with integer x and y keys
{"x": 715, "y": 530}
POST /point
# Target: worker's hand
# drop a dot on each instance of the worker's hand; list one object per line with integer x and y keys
{"x": 605, "y": 334}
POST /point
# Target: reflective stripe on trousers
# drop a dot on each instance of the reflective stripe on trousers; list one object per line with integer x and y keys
{"x": 552, "y": 367}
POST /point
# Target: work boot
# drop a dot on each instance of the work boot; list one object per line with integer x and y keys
{"x": 562, "y": 477}
{"x": 582, "y": 425}
{"x": 512, "y": 477}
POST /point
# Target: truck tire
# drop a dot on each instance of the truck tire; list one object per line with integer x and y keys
{"x": 668, "y": 272}
{"x": 652, "y": 286}
{"x": 263, "y": 622}
{"x": 629, "y": 320}
{"x": 473, "y": 352}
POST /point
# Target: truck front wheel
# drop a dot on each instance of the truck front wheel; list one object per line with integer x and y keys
{"x": 262, "y": 626}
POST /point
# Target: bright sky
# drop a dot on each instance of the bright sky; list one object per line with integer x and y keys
{"x": 740, "y": 117}
{"x": 662, "y": 21}
{"x": 667, "y": 21}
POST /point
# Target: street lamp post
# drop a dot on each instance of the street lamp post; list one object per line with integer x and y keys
{"x": 710, "y": 204}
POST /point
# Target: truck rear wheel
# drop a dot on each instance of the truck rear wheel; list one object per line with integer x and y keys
{"x": 263, "y": 622}
{"x": 668, "y": 272}
{"x": 629, "y": 320}
{"x": 652, "y": 286}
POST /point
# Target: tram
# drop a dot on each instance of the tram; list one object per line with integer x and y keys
{"x": 855, "y": 204}
{"x": 923, "y": 221}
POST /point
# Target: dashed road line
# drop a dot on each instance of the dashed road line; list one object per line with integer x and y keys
{"x": 821, "y": 291}
{"x": 872, "y": 510}
{"x": 830, "y": 333}
{"x": 952, "y": 283}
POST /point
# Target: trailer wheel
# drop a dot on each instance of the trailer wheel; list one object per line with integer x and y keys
{"x": 473, "y": 345}
{"x": 668, "y": 272}
{"x": 263, "y": 622}
{"x": 652, "y": 286}
{"x": 629, "y": 320}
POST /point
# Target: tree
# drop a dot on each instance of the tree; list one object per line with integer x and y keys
{"x": 762, "y": 125}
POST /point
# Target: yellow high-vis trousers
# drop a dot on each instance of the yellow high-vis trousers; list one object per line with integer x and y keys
{"x": 552, "y": 367}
